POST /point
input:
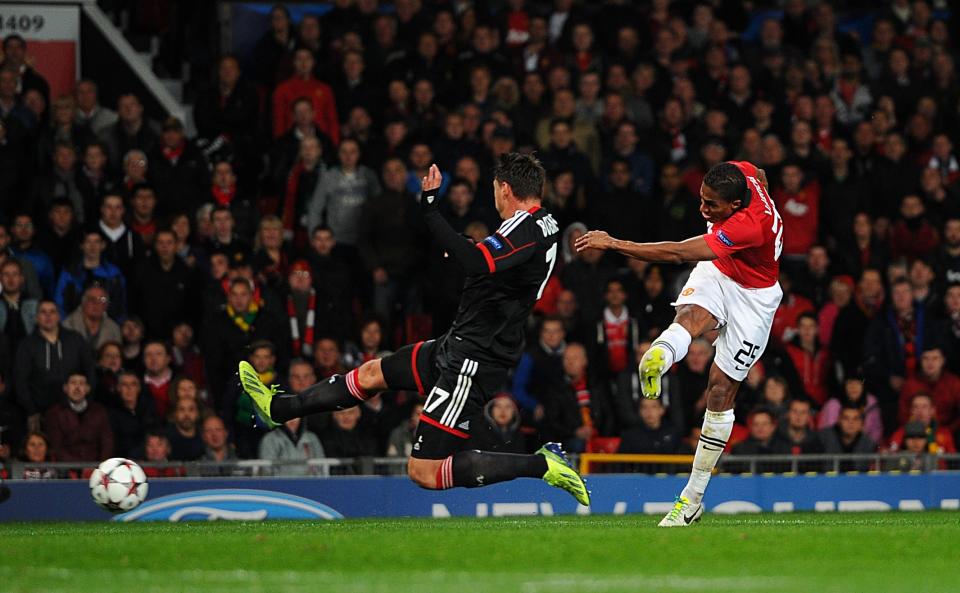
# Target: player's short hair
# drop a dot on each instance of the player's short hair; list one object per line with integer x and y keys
{"x": 523, "y": 172}
{"x": 729, "y": 182}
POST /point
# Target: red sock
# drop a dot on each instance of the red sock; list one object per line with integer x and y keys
{"x": 353, "y": 385}
{"x": 445, "y": 474}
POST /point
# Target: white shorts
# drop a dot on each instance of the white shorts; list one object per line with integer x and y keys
{"x": 744, "y": 316}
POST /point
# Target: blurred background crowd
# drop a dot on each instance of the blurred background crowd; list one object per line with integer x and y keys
{"x": 139, "y": 263}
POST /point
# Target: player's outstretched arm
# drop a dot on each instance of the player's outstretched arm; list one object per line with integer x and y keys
{"x": 463, "y": 250}
{"x": 693, "y": 249}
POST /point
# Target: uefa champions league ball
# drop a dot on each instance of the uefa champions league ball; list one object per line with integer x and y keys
{"x": 118, "y": 485}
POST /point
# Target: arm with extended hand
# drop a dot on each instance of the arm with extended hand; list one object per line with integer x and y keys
{"x": 693, "y": 249}
{"x": 463, "y": 250}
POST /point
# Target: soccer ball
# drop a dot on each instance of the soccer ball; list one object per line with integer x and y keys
{"x": 118, "y": 485}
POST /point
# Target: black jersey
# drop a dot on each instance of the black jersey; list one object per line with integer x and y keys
{"x": 495, "y": 305}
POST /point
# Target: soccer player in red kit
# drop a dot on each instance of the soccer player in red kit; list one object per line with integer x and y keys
{"x": 732, "y": 289}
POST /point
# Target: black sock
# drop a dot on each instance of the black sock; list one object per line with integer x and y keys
{"x": 328, "y": 395}
{"x": 472, "y": 469}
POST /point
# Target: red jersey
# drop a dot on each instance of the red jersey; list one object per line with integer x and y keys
{"x": 748, "y": 244}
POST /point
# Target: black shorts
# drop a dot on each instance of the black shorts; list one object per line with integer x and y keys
{"x": 457, "y": 387}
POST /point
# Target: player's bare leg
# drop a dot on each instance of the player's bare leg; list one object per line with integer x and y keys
{"x": 717, "y": 425}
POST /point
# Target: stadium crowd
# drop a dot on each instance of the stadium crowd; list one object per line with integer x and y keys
{"x": 138, "y": 265}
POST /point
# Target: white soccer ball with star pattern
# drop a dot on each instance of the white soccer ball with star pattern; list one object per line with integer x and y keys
{"x": 118, "y": 485}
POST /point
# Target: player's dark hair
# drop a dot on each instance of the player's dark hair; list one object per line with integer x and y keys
{"x": 729, "y": 182}
{"x": 523, "y": 172}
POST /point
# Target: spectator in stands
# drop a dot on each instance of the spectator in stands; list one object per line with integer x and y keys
{"x": 158, "y": 375}
{"x": 499, "y": 428}
{"x": 131, "y": 416}
{"x": 271, "y": 256}
{"x": 854, "y": 394}
{"x": 810, "y": 360}
{"x": 90, "y": 318}
{"x": 272, "y": 53}
{"x": 135, "y": 170}
{"x": 799, "y": 203}
{"x": 229, "y": 331}
{"x": 763, "y": 439}
{"x": 392, "y": 242}
{"x": 292, "y": 442}
{"x": 78, "y": 429}
{"x": 124, "y": 247}
{"x": 913, "y": 236}
{"x": 163, "y": 273}
{"x": 941, "y": 385}
{"x": 93, "y": 180}
{"x": 156, "y": 449}
{"x": 225, "y": 110}
{"x": 15, "y": 58}
{"x": 30, "y": 256}
{"x": 302, "y": 309}
{"x": 298, "y": 176}
{"x": 217, "y": 447}
{"x": 109, "y": 364}
{"x": 91, "y": 268}
{"x": 347, "y": 437}
{"x": 131, "y": 131}
{"x": 61, "y": 235}
{"x": 187, "y": 359}
{"x": 90, "y": 114}
{"x": 562, "y": 153}
{"x": 914, "y": 454}
{"x": 18, "y": 311}
{"x": 540, "y": 370}
{"x": 183, "y": 431}
{"x": 45, "y": 360}
{"x": 617, "y": 335}
{"x": 341, "y": 195}
{"x": 16, "y": 158}
{"x": 226, "y": 191}
{"x": 304, "y": 84}
{"x": 584, "y": 134}
{"x": 653, "y": 434}
{"x": 775, "y": 396}
{"x": 893, "y": 345}
{"x": 400, "y": 443}
{"x": 143, "y": 212}
{"x": 178, "y": 169}
{"x": 132, "y": 331}
{"x": 923, "y": 411}
{"x": 59, "y": 181}
{"x": 36, "y": 449}
{"x": 797, "y": 427}
{"x": 689, "y": 384}
{"x": 580, "y": 408}
{"x": 847, "y": 436}
{"x": 224, "y": 238}
{"x": 64, "y": 130}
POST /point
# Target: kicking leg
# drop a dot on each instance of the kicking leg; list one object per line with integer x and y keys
{"x": 336, "y": 393}
{"x": 717, "y": 425}
{"x": 671, "y": 346}
{"x": 400, "y": 370}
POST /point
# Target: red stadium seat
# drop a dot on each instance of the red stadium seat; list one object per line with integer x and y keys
{"x": 603, "y": 445}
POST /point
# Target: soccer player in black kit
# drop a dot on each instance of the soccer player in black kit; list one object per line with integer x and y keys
{"x": 460, "y": 371}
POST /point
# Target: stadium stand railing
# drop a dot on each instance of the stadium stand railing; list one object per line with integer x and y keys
{"x": 589, "y": 463}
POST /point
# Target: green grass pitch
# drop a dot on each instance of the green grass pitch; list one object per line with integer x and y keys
{"x": 808, "y": 553}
